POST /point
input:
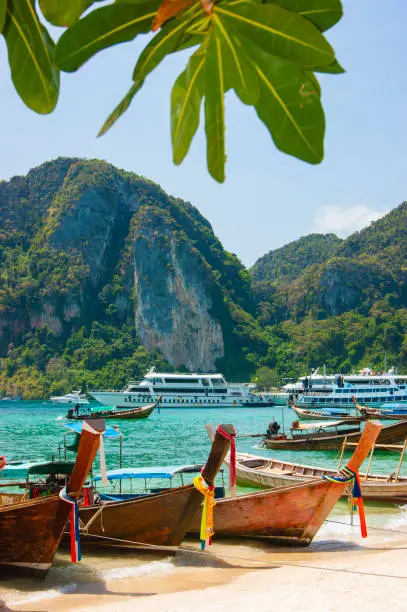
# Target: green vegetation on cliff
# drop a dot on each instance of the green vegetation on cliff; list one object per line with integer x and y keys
{"x": 102, "y": 275}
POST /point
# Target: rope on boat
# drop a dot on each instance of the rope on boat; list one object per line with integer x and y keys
{"x": 84, "y": 527}
{"x": 347, "y": 475}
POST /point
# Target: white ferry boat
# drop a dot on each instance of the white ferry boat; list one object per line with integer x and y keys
{"x": 185, "y": 391}
{"x": 317, "y": 382}
{"x": 370, "y": 394}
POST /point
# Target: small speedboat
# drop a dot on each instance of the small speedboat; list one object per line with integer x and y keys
{"x": 75, "y": 397}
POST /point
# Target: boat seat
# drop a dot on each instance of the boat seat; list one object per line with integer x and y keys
{"x": 282, "y": 472}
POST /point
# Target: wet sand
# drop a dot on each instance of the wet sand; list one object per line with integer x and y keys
{"x": 338, "y": 571}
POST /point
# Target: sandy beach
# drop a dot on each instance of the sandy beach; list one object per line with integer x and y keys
{"x": 339, "y": 571}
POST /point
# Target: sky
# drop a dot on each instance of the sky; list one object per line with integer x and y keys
{"x": 269, "y": 199}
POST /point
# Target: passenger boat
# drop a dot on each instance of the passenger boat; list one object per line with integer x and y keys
{"x": 185, "y": 391}
{"x": 372, "y": 395}
{"x": 162, "y": 518}
{"x": 73, "y": 398}
{"x": 30, "y": 531}
{"x": 290, "y": 515}
{"x": 321, "y": 382}
{"x": 131, "y": 413}
{"x": 331, "y": 435}
{"x": 326, "y": 414}
{"x": 259, "y": 472}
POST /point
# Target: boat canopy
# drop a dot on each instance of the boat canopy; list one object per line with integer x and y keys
{"x": 23, "y": 469}
{"x": 109, "y": 432}
{"x": 168, "y": 471}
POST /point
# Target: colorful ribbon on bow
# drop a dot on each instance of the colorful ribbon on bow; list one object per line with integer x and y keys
{"x": 76, "y": 553}
{"x": 208, "y": 492}
{"x": 348, "y": 475}
{"x": 232, "y": 464}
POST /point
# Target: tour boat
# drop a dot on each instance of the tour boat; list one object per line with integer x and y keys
{"x": 30, "y": 530}
{"x": 75, "y": 397}
{"x": 185, "y": 391}
{"x": 289, "y": 515}
{"x": 159, "y": 519}
{"x": 371, "y": 394}
{"x": 330, "y": 435}
{"x": 320, "y": 383}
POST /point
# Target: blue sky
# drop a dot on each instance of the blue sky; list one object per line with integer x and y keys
{"x": 269, "y": 199}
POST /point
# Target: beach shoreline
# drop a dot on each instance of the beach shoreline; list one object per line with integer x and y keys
{"x": 338, "y": 571}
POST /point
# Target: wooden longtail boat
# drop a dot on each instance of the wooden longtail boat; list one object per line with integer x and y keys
{"x": 254, "y": 471}
{"x": 133, "y": 413}
{"x": 324, "y": 414}
{"x": 30, "y": 531}
{"x": 290, "y": 515}
{"x": 396, "y": 413}
{"x": 162, "y": 518}
{"x": 314, "y": 437}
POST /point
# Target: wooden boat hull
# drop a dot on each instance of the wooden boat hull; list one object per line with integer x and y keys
{"x": 133, "y": 413}
{"x": 289, "y": 515}
{"x": 391, "y": 434}
{"x": 30, "y": 534}
{"x": 30, "y": 531}
{"x": 316, "y": 415}
{"x": 161, "y": 519}
{"x": 274, "y": 473}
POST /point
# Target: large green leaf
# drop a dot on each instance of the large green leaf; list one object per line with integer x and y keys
{"x": 168, "y": 39}
{"x": 109, "y": 25}
{"x": 279, "y": 32}
{"x": 186, "y": 99}
{"x": 63, "y": 12}
{"x": 324, "y": 13}
{"x": 3, "y": 11}
{"x": 334, "y": 68}
{"x": 215, "y": 89}
{"x": 290, "y": 106}
{"x": 30, "y": 53}
{"x": 120, "y": 108}
{"x": 239, "y": 71}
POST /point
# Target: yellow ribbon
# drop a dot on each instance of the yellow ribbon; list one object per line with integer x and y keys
{"x": 207, "y": 511}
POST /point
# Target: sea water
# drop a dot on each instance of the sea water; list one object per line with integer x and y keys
{"x": 35, "y": 430}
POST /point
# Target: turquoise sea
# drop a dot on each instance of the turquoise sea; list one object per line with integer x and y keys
{"x": 33, "y": 431}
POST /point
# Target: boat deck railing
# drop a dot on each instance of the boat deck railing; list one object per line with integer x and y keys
{"x": 392, "y": 447}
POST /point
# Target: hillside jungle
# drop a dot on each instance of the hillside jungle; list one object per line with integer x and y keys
{"x": 90, "y": 256}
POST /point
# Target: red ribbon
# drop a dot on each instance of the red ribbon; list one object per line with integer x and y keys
{"x": 232, "y": 469}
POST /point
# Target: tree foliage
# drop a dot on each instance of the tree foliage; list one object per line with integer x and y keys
{"x": 267, "y": 52}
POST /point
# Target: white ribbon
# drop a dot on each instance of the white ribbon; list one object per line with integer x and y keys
{"x": 103, "y": 462}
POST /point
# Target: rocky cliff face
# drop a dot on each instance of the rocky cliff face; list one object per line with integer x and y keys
{"x": 174, "y": 307}
{"x": 109, "y": 244}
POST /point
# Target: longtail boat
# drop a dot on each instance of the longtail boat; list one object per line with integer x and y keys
{"x": 262, "y": 473}
{"x": 162, "y": 518}
{"x": 331, "y": 435}
{"x": 30, "y": 531}
{"x": 387, "y": 412}
{"x": 132, "y": 413}
{"x": 289, "y": 515}
{"x": 324, "y": 414}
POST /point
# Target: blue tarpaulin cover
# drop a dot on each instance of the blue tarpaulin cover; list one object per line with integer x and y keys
{"x": 77, "y": 428}
{"x": 151, "y": 472}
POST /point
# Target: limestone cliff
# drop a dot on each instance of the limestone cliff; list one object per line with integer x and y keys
{"x": 174, "y": 305}
{"x": 112, "y": 246}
